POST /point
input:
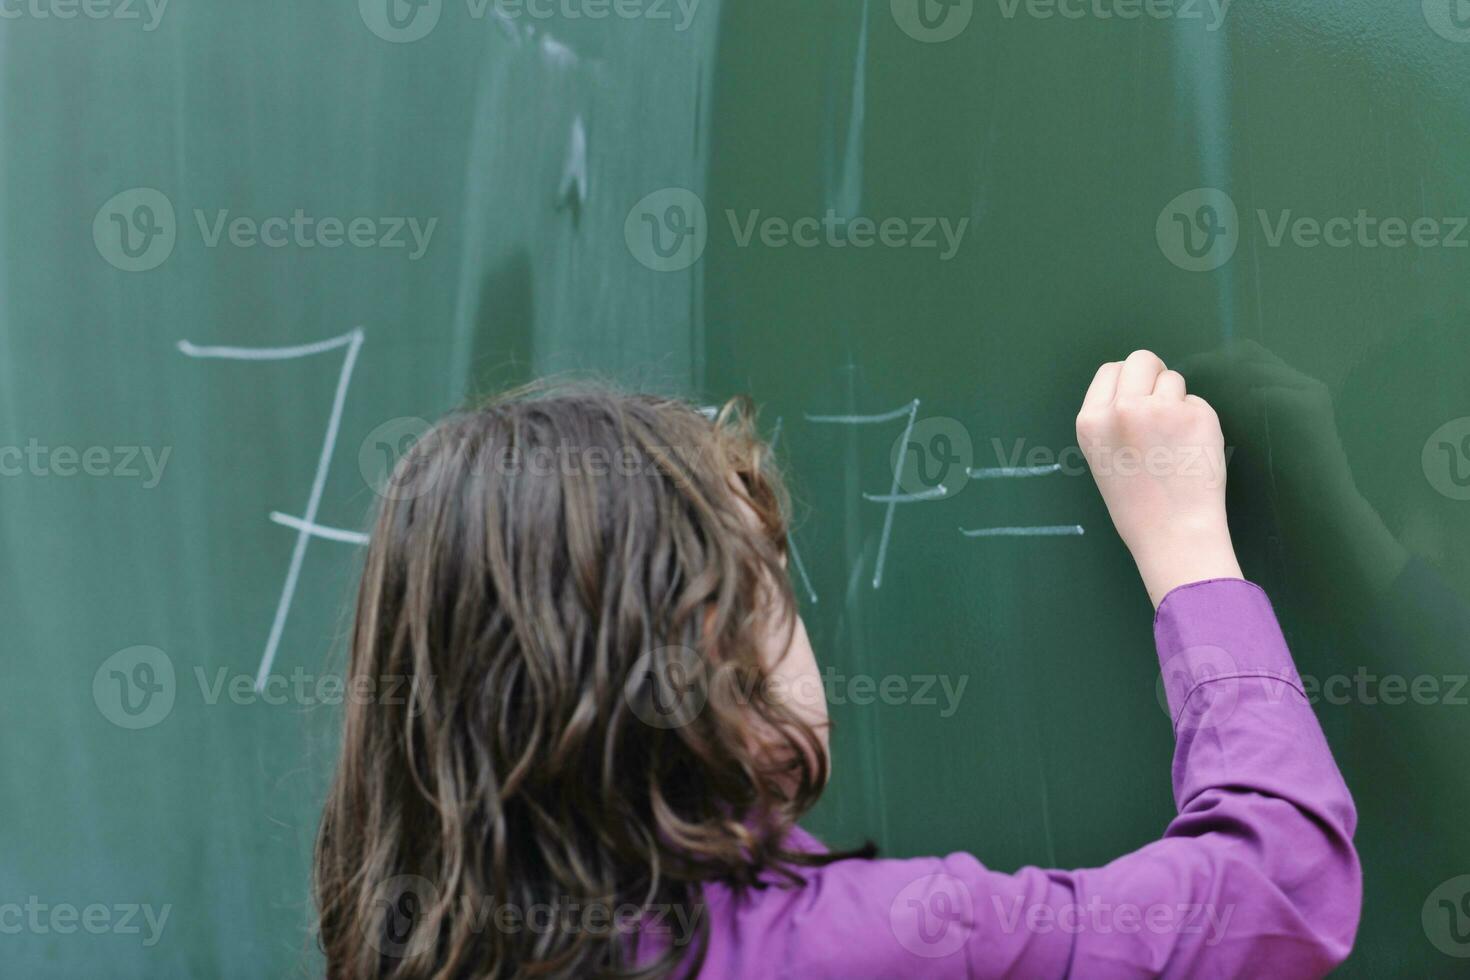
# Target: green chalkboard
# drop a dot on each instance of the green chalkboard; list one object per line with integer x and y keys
{"x": 247, "y": 251}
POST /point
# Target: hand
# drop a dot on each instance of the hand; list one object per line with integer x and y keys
{"x": 1159, "y": 460}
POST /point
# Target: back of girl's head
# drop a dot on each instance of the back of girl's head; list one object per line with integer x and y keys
{"x": 569, "y": 589}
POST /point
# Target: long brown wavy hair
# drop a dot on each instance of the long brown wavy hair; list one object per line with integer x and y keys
{"x": 567, "y": 588}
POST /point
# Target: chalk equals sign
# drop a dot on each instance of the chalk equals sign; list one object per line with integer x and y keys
{"x": 1038, "y": 531}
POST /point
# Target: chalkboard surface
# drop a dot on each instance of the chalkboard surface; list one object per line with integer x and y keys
{"x": 246, "y": 251}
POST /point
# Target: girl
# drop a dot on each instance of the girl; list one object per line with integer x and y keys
{"x": 615, "y": 722}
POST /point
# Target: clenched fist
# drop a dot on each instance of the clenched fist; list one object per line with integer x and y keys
{"x": 1159, "y": 459}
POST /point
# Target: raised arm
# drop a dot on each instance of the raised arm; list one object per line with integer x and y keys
{"x": 1256, "y": 876}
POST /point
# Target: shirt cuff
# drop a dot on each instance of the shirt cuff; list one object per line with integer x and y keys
{"x": 1218, "y": 630}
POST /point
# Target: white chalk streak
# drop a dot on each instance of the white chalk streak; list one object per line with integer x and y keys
{"x": 352, "y": 340}
{"x": 897, "y": 413}
{"x": 574, "y": 173}
{"x": 270, "y": 353}
{"x": 1012, "y": 472}
{"x": 556, "y": 52}
{"x": 908, "y": 430}
{"x": 1054, "y": 531}
{"x": 320, "y": 530}
{"x": 911, "y": 410}
{"x": 905, "y": 498}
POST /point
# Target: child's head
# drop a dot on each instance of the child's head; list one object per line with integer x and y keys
{"x": 586, "y": 593}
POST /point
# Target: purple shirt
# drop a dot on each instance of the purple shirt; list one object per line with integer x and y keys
{"x": 1256, "y": 876}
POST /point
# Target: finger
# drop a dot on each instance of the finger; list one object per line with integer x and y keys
{"x": 1198, "y": 402}
{"x": 1104, "y": 384}
{"x": 1170, "y": 385}
{"x": 1139, "y": 373}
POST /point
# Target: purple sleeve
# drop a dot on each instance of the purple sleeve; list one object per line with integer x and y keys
{"x": 1256, "y": 876}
